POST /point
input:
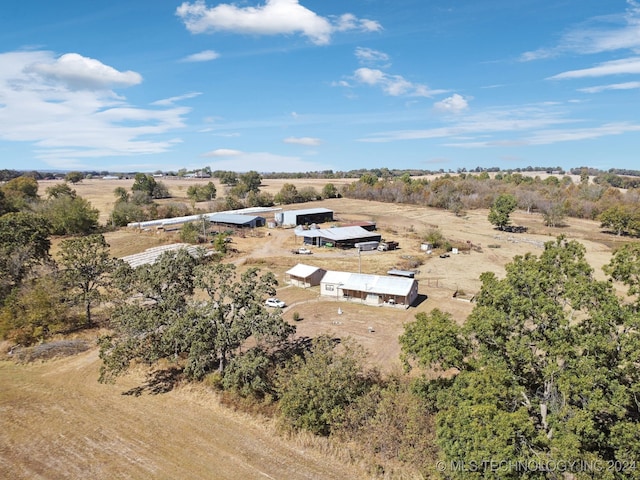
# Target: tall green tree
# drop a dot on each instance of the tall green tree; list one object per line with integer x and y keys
{"x": 548, "y": 375}
{"x": 24, "y": 244}
{"x": 622, "y": 219}
{"x": 234, "y": 313}
{"x": 317, "y": 388}
{"x": 502, "y": 207}
{"x": 166, "y": 321}
{"x": 70, "y": 214}
{"x": 86, "y": 270}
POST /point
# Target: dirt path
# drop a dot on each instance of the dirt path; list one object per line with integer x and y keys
{"x": 58, "y": 422}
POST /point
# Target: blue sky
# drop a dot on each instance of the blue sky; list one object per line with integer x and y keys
{"x": 299, "y": 85}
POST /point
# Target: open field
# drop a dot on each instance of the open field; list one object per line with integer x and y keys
{"x": 58, "y": 422}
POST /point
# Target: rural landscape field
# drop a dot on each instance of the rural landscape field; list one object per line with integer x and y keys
{"x": 58, "y": 422}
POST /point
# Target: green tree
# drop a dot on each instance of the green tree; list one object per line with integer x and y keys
{"x": 625, "y": 267}
{"x": 20, "y": 192}
{"x": 287, "y": 194}
{"x": 144, "y": 183}
{"x": 251, "y": 181}
{"x": 24, "y": 244}
{"x": 35, "y": 310}
{"x": 329, "y": 191}
{"x": 500, "y": 210}
{"x": 166, "y": 321}
{"x": 86, "y": 270}
{"x": 317, "y": 388}
{"x": 70, "y": 215}
{"x": 548, "y": 374}
{"x": 234, "y": 312}
{"x": 622, "y": 219}
{"x": 153, "y": 299}
{"x": 60, "y": 190}
{"x": 202, "y": 193}
{"x": 190, "y": 232}
{"x": 74, "y": 177}
{"x": 121, "y": 194}
{"x": 228, "y": 178}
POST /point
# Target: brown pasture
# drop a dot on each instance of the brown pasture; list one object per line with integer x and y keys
{"x": 58, "y": 422}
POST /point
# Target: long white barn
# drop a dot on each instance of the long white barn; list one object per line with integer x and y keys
{"x": 383, "y": 290}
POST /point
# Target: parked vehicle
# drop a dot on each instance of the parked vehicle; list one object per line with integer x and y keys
{"x": 275, "y": 303}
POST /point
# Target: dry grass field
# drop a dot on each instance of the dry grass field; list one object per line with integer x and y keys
{"x": 58, "y": 422}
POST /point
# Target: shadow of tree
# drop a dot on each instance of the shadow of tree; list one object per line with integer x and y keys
{"x": 159, "y": 381}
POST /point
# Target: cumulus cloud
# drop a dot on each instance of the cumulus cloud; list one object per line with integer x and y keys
{"x": 307, "y": 141}
{"x": 614, "y": 67}
{"x": 63, "y": 105}
{"x": 454, "y": 104}
{"x": 275, "y": 17}
{"x": 369, "y": 56}
{"x": 78, "y": 72}
{"x": 204, "y": 56}
{"x": 394, "y": 85}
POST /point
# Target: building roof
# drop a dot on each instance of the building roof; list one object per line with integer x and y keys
{"x": 308, "y": 211}
{"x": 336, "y": 278}
{"x": 337, "y": 233}
{"x": 302, "y": 271}
{"x": 151, "y": 255}
{"x": 379, "y": 284}
{"x": 233, "y": 218}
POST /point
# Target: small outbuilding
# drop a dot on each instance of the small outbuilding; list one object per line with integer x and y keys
{"x": 304, "y": 217}
{"x": 305, "y": 275}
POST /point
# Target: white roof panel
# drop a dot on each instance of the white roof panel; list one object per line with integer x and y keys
{"x": 303, "y": 271}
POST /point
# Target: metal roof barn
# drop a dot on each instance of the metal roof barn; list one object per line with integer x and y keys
{"x": 236, "y": 220}
{"x": 339, "y": 236}
{"x": 304, "y": 217}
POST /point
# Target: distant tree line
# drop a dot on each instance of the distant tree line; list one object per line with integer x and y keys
{"x": 554, "y": 197}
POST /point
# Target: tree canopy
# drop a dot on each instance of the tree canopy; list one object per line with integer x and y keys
{"x": 166, "y": 321}
{"x": 501, "y": 209}
{"x": 545, "y": 368}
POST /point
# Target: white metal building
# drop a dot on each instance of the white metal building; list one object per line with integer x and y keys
{"x": 369, "y": 289}
{"x": 304, "y": 217}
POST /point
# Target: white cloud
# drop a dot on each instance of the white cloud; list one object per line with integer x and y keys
{"x": 547, "y": 137}
{"x": 173, "y": 100}
{"x": 239, "y": 161}
{"x": 78, "y": 72}
{"x": 394, "y": 85}
{"x": 600, "y": 34}
{"x": 43, "y": 103}
{"x": 204, "y": 56}
{"x": 275, "y": 17}
{"x": 614, "y": 67}
{"x": 454, "y": 104}
{"x": 490, "y": 122}
{"x": 307, "y": 141}
{"x": 368, "y": 56}
{"x": 613, "y": 86}
{"x": 222, "y": 152}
